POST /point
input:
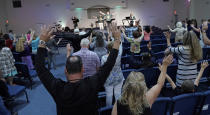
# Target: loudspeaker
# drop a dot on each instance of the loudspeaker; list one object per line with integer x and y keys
{"x": 165, "y": 0}
{"x": 16, "y": 3}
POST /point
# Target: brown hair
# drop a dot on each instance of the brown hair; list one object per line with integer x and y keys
{"x": 109, "y": 46}
{"x": 190, "y": 39}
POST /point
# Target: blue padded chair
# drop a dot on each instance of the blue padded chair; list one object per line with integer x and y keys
{"x": 205, "y": 108}
{"x": 16, "y": 90}
{"x": 105, "y": 110}
{"x": 127, "y": 72}
{"x": 186, "y": 104}
{"x": 3, "y": 109}
{"x": 159, "y": 41}
{"x": 161, "y": 106}
{"x": 158, "y": 47}
{"x": 151, "y": 75}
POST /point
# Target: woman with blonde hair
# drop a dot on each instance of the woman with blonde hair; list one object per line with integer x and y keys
{"x": 188, "y": 55}
{"x": 136, "y": 99}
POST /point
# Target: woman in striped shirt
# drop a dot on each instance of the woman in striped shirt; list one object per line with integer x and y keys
{"x": 188, "y": 56}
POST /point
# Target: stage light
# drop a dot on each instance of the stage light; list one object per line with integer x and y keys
{"x": 118, "y": 6}
{"x": 78, "y": 9}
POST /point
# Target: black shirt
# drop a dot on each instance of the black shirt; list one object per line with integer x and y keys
{"x": 124, "y": 110}
{"x": 77, "y": 98}
{"x": 76, "y": 39}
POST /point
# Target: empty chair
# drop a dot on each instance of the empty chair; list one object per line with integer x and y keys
{"x": 105, "y": 110}
{"x": 161, "y": 106}
{"x": 186, "y": 104}
{"x": 205, "y": 108}
{"x": 16, "y": 90}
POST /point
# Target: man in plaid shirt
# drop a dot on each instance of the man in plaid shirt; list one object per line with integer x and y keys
{"x": 91, "y": 61}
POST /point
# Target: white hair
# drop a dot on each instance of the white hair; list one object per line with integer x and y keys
{"x": 179, "y": 24}
{"x": 84, "y": 42}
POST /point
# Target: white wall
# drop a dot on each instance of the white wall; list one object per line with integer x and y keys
{"x": 200, "y": 9}
{"x": 3, "y": 16}
{"x": 36, "y": 12}
{"x": 182, "y": 9}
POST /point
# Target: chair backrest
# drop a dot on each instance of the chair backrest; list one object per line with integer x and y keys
{"x": 186, "y": 104}
{"x": 205, "y": 108}
{"x": 161, "y": 106}
{"x": 127, "y": 72}
{"x": 105, "y": 110}
{"x": 3, "y": 109}
{"x": 158, "y": 47}
{"x": 151, "y": 75}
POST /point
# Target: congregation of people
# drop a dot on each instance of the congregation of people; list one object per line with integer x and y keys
{"x": 117, "y": 61}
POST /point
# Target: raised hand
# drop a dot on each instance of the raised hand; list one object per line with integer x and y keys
{"x": 117, "y": 35}
{"x": 115, "y": 32}
{"x": 204, "y": 64}
{"x": 46, "y": 33}
{"x": 68, "y": 47}
{"x": 167, "y": 35}
{"x": 167, "y": 60}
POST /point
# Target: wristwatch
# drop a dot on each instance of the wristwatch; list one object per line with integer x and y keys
{"x": 42, "y": 43}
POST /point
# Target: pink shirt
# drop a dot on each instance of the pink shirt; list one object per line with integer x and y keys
{"x": 147, "y": 36}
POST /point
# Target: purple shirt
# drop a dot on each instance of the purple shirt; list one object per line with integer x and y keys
{"x": 90, "y": 61}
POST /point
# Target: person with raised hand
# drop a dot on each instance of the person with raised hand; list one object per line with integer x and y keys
{"x": 135, "y": 42}
{"x": 188, "y": 86}
{"x": 76, "y": 96}
{"x": 188, "y": 55}
{"x": 136, "y": 99}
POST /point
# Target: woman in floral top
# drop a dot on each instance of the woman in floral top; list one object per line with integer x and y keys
{"x": 115, "y": 79}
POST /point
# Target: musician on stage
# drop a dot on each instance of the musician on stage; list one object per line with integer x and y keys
{"x": 100, "y": 21}
{"x": 108, "y": 17}
{"x": 132, "y": 18}
{"x": 75, "y": 21}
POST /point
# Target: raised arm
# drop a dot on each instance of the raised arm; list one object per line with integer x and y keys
{"x": 205, "y": 37}
{"x": 124, "y": 35}
{"x": 153, "y": 93}
{"x": 173, "y": 85}
{"x": 102, "y": 13}
{"x": 141, "y": 37}
{"x": 44, "y": 74}
{"x": 203, "y": 67}
{"x": 168, "y": 37}
{"x": 171, "y": 30}
{"x": 196, "y": 29}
